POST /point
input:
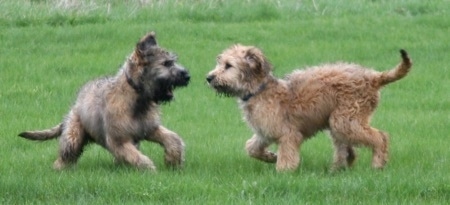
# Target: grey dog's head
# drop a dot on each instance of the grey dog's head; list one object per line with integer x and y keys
{"x": 154, "y": 72}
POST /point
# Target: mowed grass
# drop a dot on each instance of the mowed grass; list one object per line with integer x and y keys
{"x": 48, "y": 50}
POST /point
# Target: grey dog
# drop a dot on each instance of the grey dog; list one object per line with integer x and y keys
{"x": 118, "y": 112}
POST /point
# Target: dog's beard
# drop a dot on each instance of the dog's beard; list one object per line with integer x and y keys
{"x": 224, "y": 91}
{"x": 161, "y": 94}
{"x": 164, "y": 92}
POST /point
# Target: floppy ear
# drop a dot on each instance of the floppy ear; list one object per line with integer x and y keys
{"x": 255, "y": 58}
{"x": 146, "y": 42}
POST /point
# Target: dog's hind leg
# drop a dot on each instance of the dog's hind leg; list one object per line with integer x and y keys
{"x": 344, "y": 154}
{"x": 380, "y": 144}
{"x": 357, "y": 131}
{"x": 71, "y": 142}
{"x": 173, "y": 146}
{"x": 126, "y": 151}
{"x": 351, "y": 155}
{"x": 257, "y": 148}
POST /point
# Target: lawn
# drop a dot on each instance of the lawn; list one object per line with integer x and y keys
{"x": 48, "y": 49}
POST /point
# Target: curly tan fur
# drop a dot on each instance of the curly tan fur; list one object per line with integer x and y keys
{"x": 340, "y": 97}
{"x": 118, "y": 112}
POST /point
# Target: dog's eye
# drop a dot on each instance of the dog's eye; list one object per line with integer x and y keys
{"x": 227, "y": 66}
{"x": 168, "y": 63}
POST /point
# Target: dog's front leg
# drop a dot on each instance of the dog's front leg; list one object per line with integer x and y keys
{"x": 257, "y": 148}
{"x": 173, "y": 146}
{"x": 125, "y": 151}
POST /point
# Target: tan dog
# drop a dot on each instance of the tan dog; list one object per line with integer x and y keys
{"x": 118, "y": 112}
{"x": 339, "y": 97}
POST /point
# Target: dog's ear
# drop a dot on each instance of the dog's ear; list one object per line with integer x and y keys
{"x": 256, "y": 59}
{"x": 146, "y": 42}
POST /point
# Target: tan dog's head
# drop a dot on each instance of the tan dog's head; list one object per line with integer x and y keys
{"x": 240, "y": 71}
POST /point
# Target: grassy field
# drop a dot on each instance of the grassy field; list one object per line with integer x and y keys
{"x": 48, "y": 49}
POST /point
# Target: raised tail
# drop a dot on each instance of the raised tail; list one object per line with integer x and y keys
{"x": 43, "y": 134}
{"x": 397, "y": 73}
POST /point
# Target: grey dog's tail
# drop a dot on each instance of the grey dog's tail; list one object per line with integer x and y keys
{"x": 397, "y": 73}
{"x": 43, "y": 134}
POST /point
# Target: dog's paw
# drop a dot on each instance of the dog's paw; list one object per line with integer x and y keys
{"x": 270, "y": 157}
{"x": 174, "y": 162}
{"x": 148, "y": 167}
{"x": 59, "y": 165}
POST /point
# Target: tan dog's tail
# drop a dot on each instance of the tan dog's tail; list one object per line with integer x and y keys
{"x": 397, "y": 73}
{"x": 43, "y": 134}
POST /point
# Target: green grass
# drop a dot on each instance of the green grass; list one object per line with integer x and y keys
{"x": 48, "y": 50}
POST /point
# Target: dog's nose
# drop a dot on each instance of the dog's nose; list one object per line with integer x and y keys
{"x": 185, "y": 75}
{"x": 210, "y": 78}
